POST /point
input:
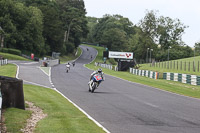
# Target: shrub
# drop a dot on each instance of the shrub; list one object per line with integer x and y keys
{"x": 4, "y": 50}
{"x": 14, "y": 51}
{"x": 11, "y": 51}
{"x": 112, "y": 61}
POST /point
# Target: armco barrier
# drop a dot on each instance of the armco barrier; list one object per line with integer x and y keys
{"x": 146, "y": 73}
{"x": 108, "y": 66}
{"x": 49, "y": 63}
{"x": 183, "y": 78}
{"x": 3, "y": 62}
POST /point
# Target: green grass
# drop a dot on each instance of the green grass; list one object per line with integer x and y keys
{"x": 62, "y": 117}
{"x": 70, "y": 57}
{"x": 172, "y": 86}
{"x": 8, "y": 70}
{"x": 13, "y": 57}
{"x": 187, "y": 70}
{"x": 15, "y": 119}
{"x": 45, "y": 69}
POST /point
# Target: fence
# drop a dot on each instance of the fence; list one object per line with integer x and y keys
{"x": 3, "y": 62}
{"x": 178, "y": 65}
{"x": 108, "y": 66}
{"x": 146, "y": 73}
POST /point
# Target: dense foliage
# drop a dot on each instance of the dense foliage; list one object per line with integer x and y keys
{"x": 153, "y": 36}
{"x": 43, "y": 26}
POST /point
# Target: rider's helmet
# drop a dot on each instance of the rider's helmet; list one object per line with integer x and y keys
{"x": 99, "y": 70}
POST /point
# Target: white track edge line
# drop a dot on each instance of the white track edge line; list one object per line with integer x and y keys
{"x": 97, "y": 123}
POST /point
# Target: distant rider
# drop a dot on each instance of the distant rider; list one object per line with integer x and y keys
{"x": 68, "y": 67}
{"x": 73, "y": 63}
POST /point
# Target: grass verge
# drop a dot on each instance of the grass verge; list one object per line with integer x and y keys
{"x": 172, "y": 86}
{"x": 15, "y": 119}
{"x": 8, "y": 70}
{"x": 62, "y": 117}
{"x": 64, "y": 59}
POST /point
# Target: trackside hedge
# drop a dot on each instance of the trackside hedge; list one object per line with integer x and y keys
{"x": 11, "y": 51}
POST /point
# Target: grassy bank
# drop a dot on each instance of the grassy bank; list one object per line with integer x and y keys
{"x": 70, "y": 57}
{"x": 13, "y": 57}
{"x": 172, "y": 86}
{"x": 176, "y": 66}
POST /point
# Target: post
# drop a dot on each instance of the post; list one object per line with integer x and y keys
{"x": 189, "y": 66}
{"x": 181, "y": 65}
{"x": 168, "y": 64}
{"x": 177, "y": 65}
{"x": 12, "y": 92}
{"x": 193, "y": 66}
{"x": 185, "y": 66}
{"x": 194, "y": 60}
{"x": 147, "y": 55}
{"x": 174, "y": 64}
{"x": 150, "y": 55}
{"x": 168, "y": 52}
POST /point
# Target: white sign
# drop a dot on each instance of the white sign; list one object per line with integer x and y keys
{"x": 120, "y": 55}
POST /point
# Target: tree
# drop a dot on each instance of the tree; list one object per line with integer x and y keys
{"x": 139, "y": 43}
{"x": 197, "y": 48}
{"x": 165, "y": 32}
{"x": 114, "y": 39}
{"x": 22, "y": 26}
{"x": 169, "y": 32}
{"x": 110, "y": 27}
{"x": 62, "y": 18}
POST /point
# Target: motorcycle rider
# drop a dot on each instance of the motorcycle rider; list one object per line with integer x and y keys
{"x": 99, "y": 72}
{"x": 67, "y": 67}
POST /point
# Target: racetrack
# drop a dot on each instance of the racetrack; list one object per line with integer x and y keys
{"x": 125, "y": 107}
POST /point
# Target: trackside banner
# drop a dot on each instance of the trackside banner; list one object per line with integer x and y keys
{"x": 120, "y": 55}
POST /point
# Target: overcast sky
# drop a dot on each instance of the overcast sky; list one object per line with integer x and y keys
{"x": 188, "y": 11}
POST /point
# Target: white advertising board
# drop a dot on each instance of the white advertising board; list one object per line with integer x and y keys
{"x": 120, "y": 55}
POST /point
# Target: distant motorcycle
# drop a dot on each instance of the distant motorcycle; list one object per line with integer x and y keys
{"x": 67, "y": 69}
{"x": 94, "y": 83}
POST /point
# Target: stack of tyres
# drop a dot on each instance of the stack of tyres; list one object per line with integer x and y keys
{"x": 188, "y": 79}
{"x": 180, "y": 77}
{"x": 198, "y": 80}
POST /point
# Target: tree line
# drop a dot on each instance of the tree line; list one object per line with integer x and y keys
{"x": 162, "y": 36}
{"x": 43, "y": 26}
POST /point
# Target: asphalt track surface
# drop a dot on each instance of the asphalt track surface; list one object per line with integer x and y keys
{"x": 120, "y": 106}
{"x": 125, "y": 107}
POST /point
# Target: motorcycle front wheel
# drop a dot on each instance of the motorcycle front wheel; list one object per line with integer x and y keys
{"x": 93, "y": 87}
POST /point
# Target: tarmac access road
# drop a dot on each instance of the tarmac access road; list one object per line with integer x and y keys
{"x": 30, "y": 73}
{"x": 125, "y": 107}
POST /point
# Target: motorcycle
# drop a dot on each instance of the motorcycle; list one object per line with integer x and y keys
{"x": 67, "y": 69}
{"x": 94, "y": 83}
